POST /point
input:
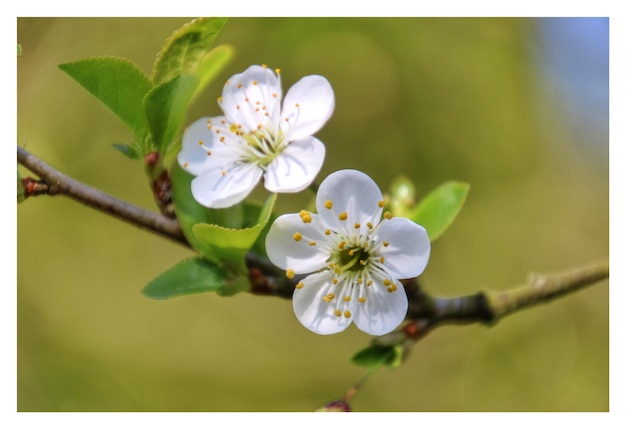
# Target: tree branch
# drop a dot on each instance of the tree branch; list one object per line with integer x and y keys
{"x": 55, "y": 183}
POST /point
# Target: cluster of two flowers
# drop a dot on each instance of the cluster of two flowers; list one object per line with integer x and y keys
{"x": 354, "y": 254}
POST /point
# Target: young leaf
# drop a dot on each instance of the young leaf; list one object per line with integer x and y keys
{"x": 165, "y": 107}
{"x": 130, "y": 150}
{"x": 118, "y": 84}
{"x": 374, "y": 356}
{"x": 186, "y": 48}
{"x": 228, "y": 246}
{"x": 190, "y": 276}
{"x": 438, "y": 209}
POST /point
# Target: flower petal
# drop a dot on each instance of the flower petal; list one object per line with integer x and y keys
{"x": 248, "y": 96}
{"x": 382, "y": 310}
{"x": 353, "y": 195}
{"x": 202, "y": 148}
{"x": 308, "y": 105}
{"x": 219, "y": 188}
{"x": 299, "y": 255}
{"x": 296, "y": 167}
{"x": 312, "y": 310}
{"x": 408, "y": 249}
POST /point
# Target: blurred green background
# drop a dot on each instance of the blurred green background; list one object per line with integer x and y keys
{"x": 487, "y": 101}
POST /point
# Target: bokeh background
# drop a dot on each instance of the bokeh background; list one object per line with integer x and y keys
{"x": 516, "y": 107}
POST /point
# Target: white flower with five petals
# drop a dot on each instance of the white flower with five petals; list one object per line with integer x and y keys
{"x": 355, "y": 257}
{"x": 257, "y": 137}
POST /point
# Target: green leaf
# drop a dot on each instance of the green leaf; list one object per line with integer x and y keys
{"x": 210, "y": 65}
{"x": 190, "y": 276}
{"x": 130, "y": 150}
{"x": 186, "y": 48}
{"x": 118, "y": 84}
{"x": 438, "y": 209}
{"x": 166, "y": 106}
{"x": 229, "y": 246}
{"x": 375, "y": 356}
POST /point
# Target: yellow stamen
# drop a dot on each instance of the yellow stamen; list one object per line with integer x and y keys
{"x": 362, "y": 299}
{"x": 297, "y": 236}
{"x": 327, "y": 232}
{"x": 342, "y": 245}
{"x": 357, "y": 225}
{"x": 369, "y": 225}
{"x": 388, "y": 215}
{"x": 331, "y": 296}
{"x": 312, "y": 243}
{"x": 335, "y": 281}
{"x": 305, "y": 216}
{"x": 290, "y": 273}
{"x": 343, "y": 216}
{"x": 328, "y": 204}
{"x": 370, "y": 282}
{"x": 386, "y": 282}
{"x": 347, "y": 298}
{"x": 300, "y": 285}
{"x": 381, "y": 259}
{"x": 347, "y": 314}
{"x": 185, "y": 164}
{"x": 381, "y": 204}
{"x": 200, "y": 142}
{"x": 337, "y": 313}
{"x": 385, "y": 243}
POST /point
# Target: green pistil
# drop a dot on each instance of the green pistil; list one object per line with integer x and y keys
{"x": 351, "y": 259}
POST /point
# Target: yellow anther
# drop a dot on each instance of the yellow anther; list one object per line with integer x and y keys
{"x": 381, "y": 259}
{"x": 335, "y": 281}
{"x": 259, "y": 126}
{"x": 342, "y": 245}
{"x": 277, "y": 71}
{"x": 326, "y": 298}
{"x": 297, "y": 104}
{"x": 240, "y": 86}
{"x": 388, "y": 215}
{"x": 185, "y": 164}
{"x": 217, "y": 131}
{"x": 232, "y": 128}
{"x": 222, "y": 138}
{"x": 362, "y": 262}
{"x": 357, "y": 225}
{"x": 274, "y": 95}
{"x": 254, "y": 82}
{"x": 359, "y": 280}
{"x": 369, "y": 225}
{"x": 227, "y": 82}
{"x": 208, "y": 152}
{"x": 343, "y": 216}
{"x": 286, "y": 119}
{"x": 300, "y": 285}
{"x": 223, "y": 172}
{"x": 347, "y": 314}
{"x": 337, "y": 313}
{"x": 362, "y": 299}
{"x": 219, "y": 99}
{"x": 381, "y": 204}
{"x": 370, "y": 282}
{"x": 297, "y": 236}
{"x": 264, "y": 66}
{"x": 385, "y": 243}
{"x": 223, "y": 122}
{"x": 305, "y": 216}
{"x": 312, "y": 243}
{"x": 328, "y": 204}
{"x": 351, "y": 252}
{"x": 327, "y": 232}
{"x": 200, "y": 142}
{"x": 386, "y": 282}
{"x": 347, "y": 298}
{"x": 331, "y": 296}
{"x": 290, "y": 273}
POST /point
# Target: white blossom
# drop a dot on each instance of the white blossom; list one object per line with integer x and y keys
{"x": 354, "y": 256}
{"x": 257, "y": 137}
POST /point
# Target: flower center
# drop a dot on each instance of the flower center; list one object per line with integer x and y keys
{"x": 351, "y": 259}
{"x": 263, "y": 145}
